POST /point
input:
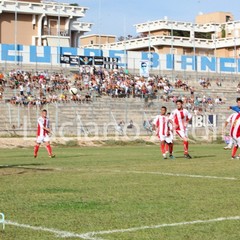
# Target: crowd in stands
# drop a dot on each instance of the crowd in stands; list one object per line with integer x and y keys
{"x": 206, "y": 83}
{"x": 40, "y": 88}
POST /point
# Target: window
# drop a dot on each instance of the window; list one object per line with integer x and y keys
{"x": 91, "y": 42}
{"x": 53, "y": 27}
{"x": 228, "y": 18}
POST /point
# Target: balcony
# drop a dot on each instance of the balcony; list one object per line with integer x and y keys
{"x": 81, "y": 26}
{"x": 54, "y": 32}
{"x": 49, "y": 8}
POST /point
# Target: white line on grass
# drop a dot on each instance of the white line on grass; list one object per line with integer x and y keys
{"x": 92, "y": 235}
{"x": 58, "y": 233}
{"x": 178, "y": 175}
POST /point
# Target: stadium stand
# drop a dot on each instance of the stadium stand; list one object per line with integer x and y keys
{"x": 105, "y": 98}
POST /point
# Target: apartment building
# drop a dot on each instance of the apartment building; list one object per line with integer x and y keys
{"x": 213, "y": 34}
{"x": 96, "y": 39}
{"x": 41, "y": 23}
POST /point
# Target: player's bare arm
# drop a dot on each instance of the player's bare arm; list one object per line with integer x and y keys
{"x": 47, "y": 129}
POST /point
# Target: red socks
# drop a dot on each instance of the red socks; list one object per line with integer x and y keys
{"x": 185, "y": 144}
{"x": 167, "y": 148}
{"x": 163, "y": 148}
{"x": 234, "y": 150}
{"x": 49, "y": 149}
{"x": 170, "y": 148}
{"x": 36, "y": 147}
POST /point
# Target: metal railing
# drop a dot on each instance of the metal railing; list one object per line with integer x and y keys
{"x": 55, "y": 32}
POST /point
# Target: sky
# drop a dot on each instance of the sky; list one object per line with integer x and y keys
{"x": 117, "y": 17}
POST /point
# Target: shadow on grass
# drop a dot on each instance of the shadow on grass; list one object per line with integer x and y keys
{"x": 15, "y": 169}
{"x": 20, "y": 165}
{"x": 29, "y": 167}
{"x": 73, "y": 156}
{"x": 205, "y": 156}
{"x": 193, "y": 157}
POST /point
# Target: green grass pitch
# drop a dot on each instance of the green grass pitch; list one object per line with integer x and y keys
{"x": 92, "y": 189}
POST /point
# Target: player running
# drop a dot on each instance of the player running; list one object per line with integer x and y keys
{"x": 181, "y": 118}
{"x": 234, "y": 120}
{"x": 43, "y": 132}
{"x": 164, "y": 129}
{"x": 236, "y": 109}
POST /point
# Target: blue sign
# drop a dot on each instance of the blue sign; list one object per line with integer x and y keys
{"x": 51, "y": 55}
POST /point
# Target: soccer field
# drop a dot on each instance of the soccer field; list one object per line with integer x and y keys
{"x": 120, "y": 193}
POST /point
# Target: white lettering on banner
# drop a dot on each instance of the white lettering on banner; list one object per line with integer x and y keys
{"x": 199, "y": 121}
{"x": 51, "y": 56}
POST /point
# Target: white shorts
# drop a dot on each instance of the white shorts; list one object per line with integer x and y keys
{"x": 182, "y": 133}
{"x": 236, "y": 141}
{"x": 168, "y": 139}
{"x": 41, "y": 139}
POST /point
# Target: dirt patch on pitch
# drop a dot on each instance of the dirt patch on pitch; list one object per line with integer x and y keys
{"x": 16, "y": 142}
{"x": 74, "y": 142}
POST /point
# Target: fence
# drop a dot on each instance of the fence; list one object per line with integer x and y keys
{"x": 103, "y": 118}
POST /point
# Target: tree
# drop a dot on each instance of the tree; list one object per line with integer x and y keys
{"x": 74, "y": 4}
{"x": 203, "y": 35}
{"x": 179, "y": 33}
{"x": 223, "y": 31}
{"x": 121, "y": 38}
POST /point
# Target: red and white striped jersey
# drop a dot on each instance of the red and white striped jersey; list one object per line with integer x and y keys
{"x": 42, "y": 122}
{"x": 162, "y": 124}
{"x": 234, "y": 120}
{"x": 180, "y": 118}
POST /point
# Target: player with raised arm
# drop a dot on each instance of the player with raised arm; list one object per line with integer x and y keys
{"x": 163, "y": 127}
{"x": 181, "y": 118}
{"x": 234, "y": 120}
{"x": 43, "y": 132}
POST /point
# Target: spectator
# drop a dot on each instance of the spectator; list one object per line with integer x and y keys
{"x": 1, "y": 92}
{"x": 21, "y": 89}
